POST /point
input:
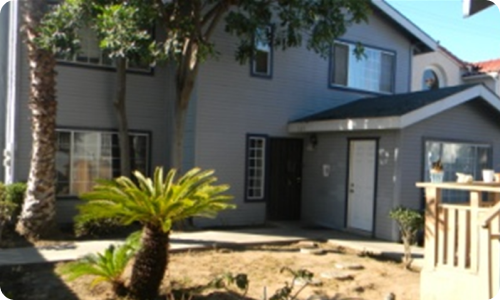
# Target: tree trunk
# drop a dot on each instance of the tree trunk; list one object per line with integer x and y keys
{"x": 180, "y": 126}
{"x": 150, "y": 264}
{"x": 121, "y": 114}
{"x": 187, "y": 71}
{"x": 38, "y": 211}
{"x": 407, "y": 259}
{"x": 119, "y": 289}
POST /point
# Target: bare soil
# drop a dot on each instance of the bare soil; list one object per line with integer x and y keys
{"x": 262, "y": 264}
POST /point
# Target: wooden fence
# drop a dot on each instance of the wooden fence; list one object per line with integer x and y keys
{"x": 461, "y": 242}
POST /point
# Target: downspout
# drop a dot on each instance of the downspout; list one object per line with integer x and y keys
{"x": 11, "y": 103}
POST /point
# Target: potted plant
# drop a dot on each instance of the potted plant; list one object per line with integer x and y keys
{"x": 488, "y": 175}
{"x": 437, "y": 172}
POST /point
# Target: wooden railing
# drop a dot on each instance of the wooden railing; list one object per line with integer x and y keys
{"x": 458, "y": 237}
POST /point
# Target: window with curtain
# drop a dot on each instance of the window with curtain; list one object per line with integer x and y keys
{"x": 373, "y": 71}
{"x": 457, "y": 157}
{"x": 262, "y": 60}
{"x": 84, "y": 156}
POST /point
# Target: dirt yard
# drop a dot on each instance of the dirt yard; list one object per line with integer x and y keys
{"x": 262, "y": 264}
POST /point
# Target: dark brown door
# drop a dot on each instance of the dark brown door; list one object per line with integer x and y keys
{"x": 285, "y": 179}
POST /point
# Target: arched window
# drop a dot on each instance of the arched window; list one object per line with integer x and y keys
{"x": 430, "y": 80}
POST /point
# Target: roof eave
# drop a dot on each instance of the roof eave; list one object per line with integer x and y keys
{"x": 479, "y": 76}
{"x": 398, "y": 122}
{"x": 360, "y": 124}
{"x": 449, "y": 102}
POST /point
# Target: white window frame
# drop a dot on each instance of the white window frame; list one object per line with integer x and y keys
{"x": 258, "y": 169}
{"x": 368, "y": 64}
{"x": 72, "y": 156}
{"x": 260, "y": 46}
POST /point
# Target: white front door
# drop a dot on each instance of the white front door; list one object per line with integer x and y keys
{"x": 361, "y": 185}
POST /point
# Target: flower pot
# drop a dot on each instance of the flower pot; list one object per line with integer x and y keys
{"x": 488, "y": 175}
{"x": 437, "y": 176}
{"x": 497, "y": 177}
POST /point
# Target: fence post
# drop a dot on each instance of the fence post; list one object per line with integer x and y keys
{"x": 432, "y": 200}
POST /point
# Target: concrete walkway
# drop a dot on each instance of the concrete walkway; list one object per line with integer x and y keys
{"x": 210, "y": 239}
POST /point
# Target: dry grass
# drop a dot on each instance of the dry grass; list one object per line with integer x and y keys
{"x": 262, "y": 264}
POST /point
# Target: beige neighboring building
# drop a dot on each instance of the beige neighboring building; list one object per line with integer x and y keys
{"x": 441, "y": 68}
{"x": 437, "y": 69}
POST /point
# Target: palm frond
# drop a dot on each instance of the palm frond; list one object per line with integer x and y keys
{"x": 159, "y": 201}
{"x": 107, "y": 266}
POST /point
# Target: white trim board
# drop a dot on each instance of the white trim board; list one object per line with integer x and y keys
{"x": 398, "y": 122}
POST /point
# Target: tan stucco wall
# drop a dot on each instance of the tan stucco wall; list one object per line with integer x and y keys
{"x": 448, "y": 69}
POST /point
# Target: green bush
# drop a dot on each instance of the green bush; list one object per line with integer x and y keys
{"x": 14, "y": 193}
{"x": 410, "y": 221}
{"x": 7, "y": 209}
{"x": 97, "y": 228}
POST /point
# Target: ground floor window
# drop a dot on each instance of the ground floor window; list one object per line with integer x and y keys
{"x": 86, "y": 155}
{"x": 255, "y": 167}
{"x": 457, "y": 157}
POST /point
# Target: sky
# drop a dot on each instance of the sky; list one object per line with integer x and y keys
{"x": 472, "y": 39}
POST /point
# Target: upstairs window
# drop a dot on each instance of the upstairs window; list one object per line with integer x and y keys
{"x": 262, "y": 60}
{"x": 91, "y": 55}
{"x": 430, "y": 80}
{"x": 373, "y": 71}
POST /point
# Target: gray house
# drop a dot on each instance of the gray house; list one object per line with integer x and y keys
{"x": 86, "y": 121}
{"x": 335, "y": 142}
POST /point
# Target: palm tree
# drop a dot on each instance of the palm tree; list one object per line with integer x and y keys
{"x": 38, "y": 210}
{"x": 156, "y": 204}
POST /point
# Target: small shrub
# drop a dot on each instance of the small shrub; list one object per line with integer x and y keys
{"x": 410, "y": 221}
{"x": 108, "y": 266}
{"x": 14, "y": 193}
{"x": 288, "y": 291}
{"x": 7, "y": 210}
{"x": 97, "y": 228}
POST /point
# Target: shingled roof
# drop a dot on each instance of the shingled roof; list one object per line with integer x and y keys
{"x": 393, "y": 111}
{"x": 385, "y": 106}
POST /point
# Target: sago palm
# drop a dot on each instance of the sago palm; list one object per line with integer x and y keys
{"x": 108, "y": 266}
{"x": 156, "y": 203}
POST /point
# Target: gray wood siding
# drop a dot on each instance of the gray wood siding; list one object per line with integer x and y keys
{"x": 324, "y": 198}
{"x": 471, "y": 122}
{"x": 84, "y": 98}
{"x": 231, "y": 103}
{"x": 85, "y": 101}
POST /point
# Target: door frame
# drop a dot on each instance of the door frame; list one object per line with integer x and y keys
{"x": 375, "y": 188}
{"x": 268, "y": 171}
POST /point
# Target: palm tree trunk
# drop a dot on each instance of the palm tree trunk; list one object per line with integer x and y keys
{"x": 150, "y": 264}
{"x": 38, "y": 212}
